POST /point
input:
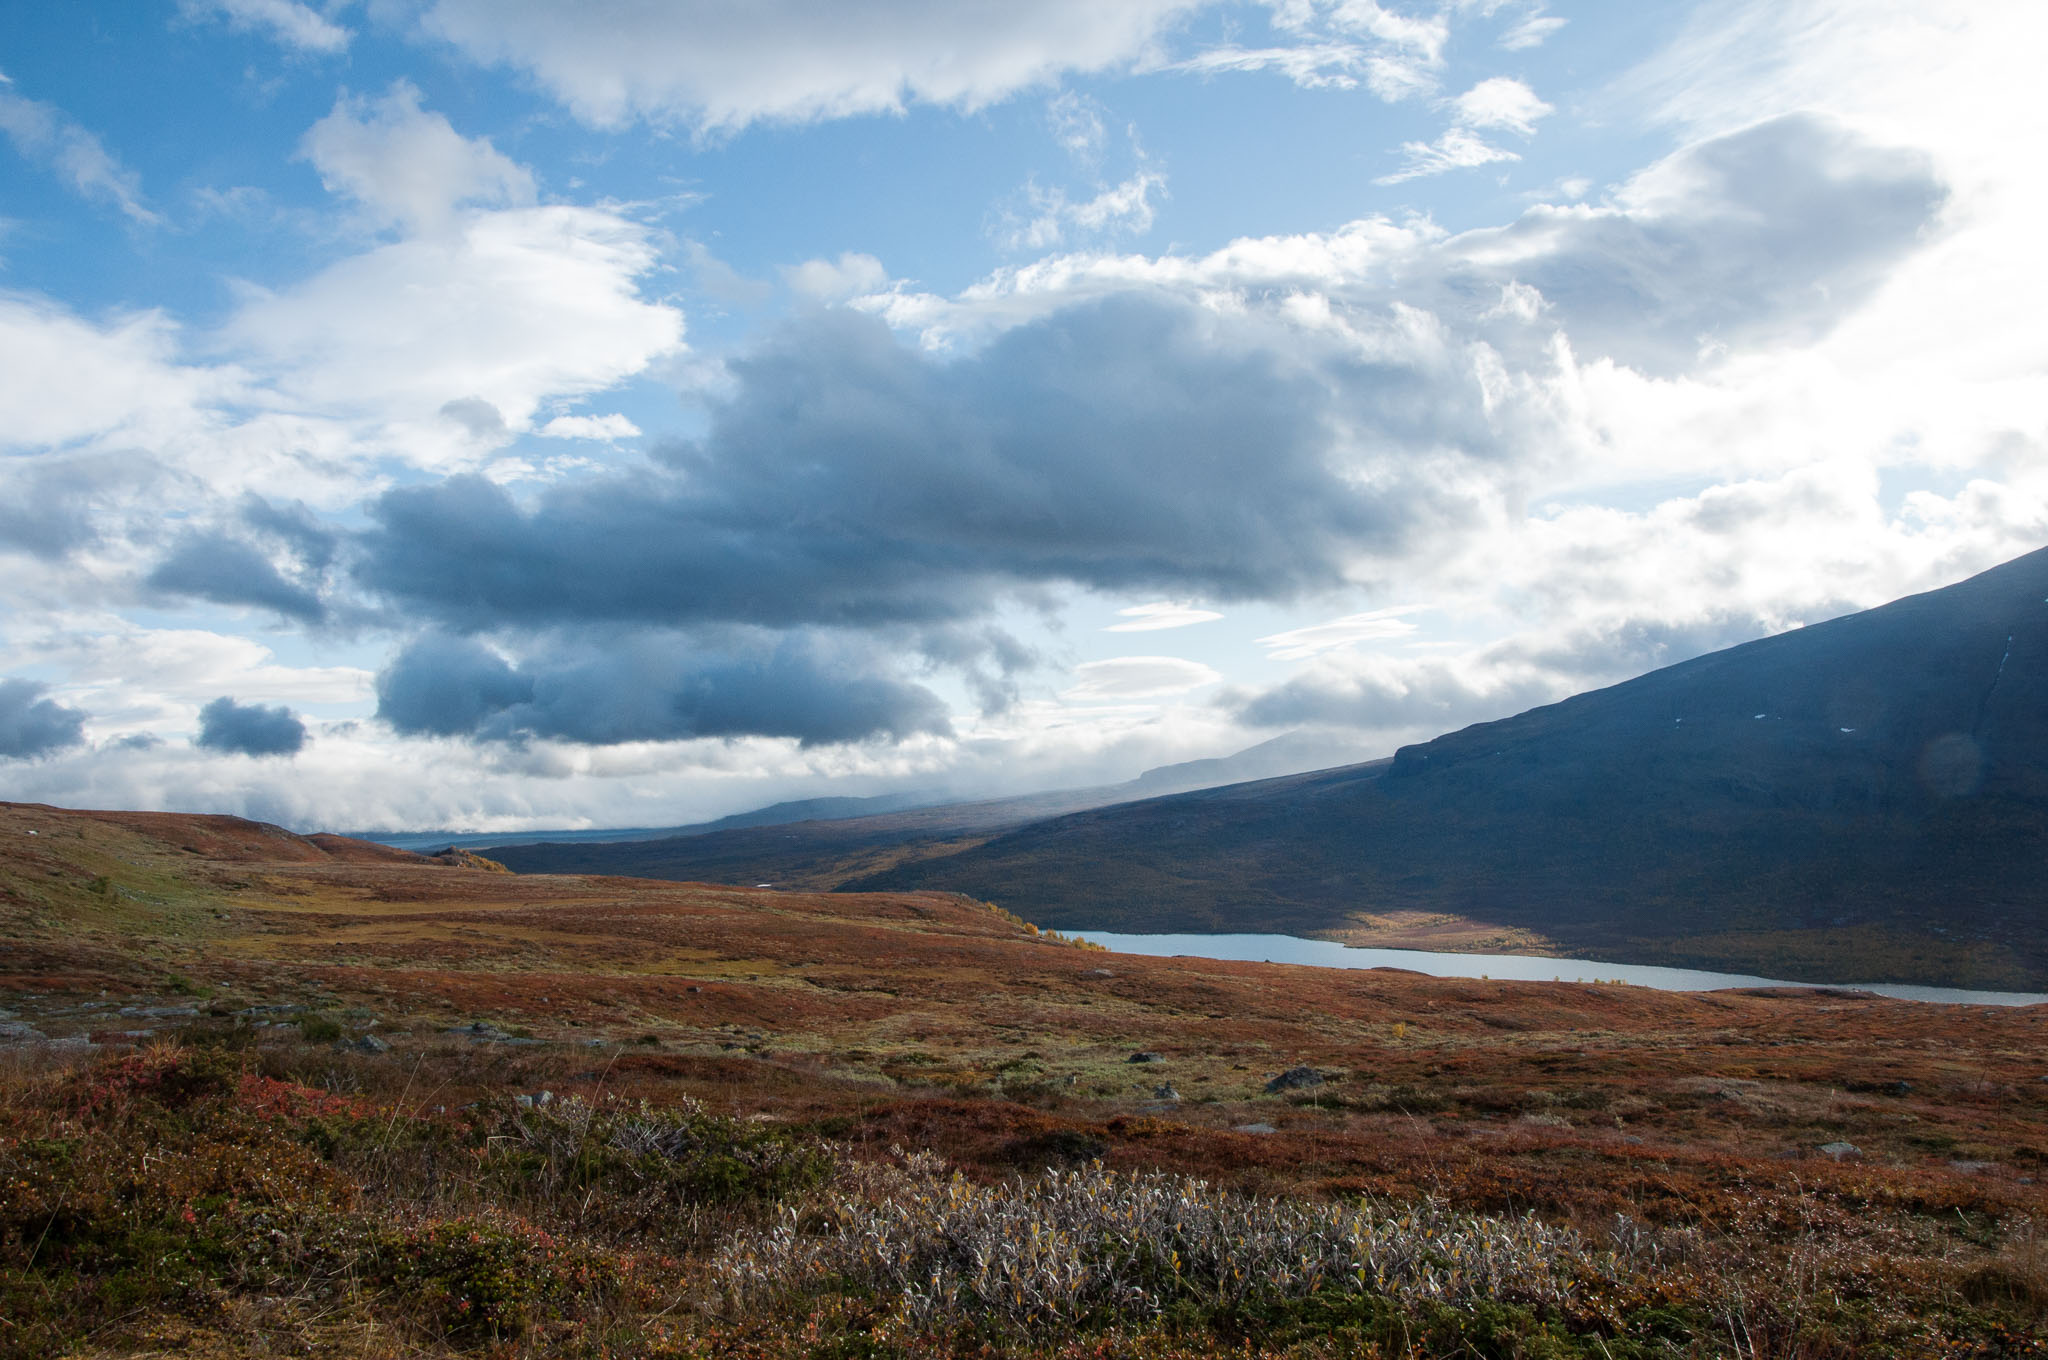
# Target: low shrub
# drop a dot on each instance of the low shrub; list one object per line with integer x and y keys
{"x": 1095, "y": 1246}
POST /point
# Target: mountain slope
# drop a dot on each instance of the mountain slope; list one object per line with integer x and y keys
{"x": 822, "y": 842}
{"x": 1865, "y": 798}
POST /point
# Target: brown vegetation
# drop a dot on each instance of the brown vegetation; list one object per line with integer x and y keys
{"x": 313, "y": 1048}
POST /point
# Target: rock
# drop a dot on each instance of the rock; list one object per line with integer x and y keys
{"x": 534, "y": 1101}
{"x": 1145, "y": 1057}
{"x": 1294, "y": 1079}
{"x": 1969, "y": 1168}
{"x": 1104, "y": 972}
{"x": 1841, "y": 1152}
{"x": 1165, "y": 1092}
{"x": 14, "y": 1032}
{"x": 1255, "y": 1128}
{"x": 1901, "y": 1088}
{"x": 158, "y": 1012}
{"x": 368, "y": 1043}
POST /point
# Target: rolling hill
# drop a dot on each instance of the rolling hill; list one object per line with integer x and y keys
{"x": 1865, "y": 798}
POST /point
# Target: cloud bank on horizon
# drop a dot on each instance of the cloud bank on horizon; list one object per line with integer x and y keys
{"x": 440, "y": 414}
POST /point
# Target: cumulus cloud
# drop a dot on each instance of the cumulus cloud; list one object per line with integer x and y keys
{"x": 653, "y": 688}
{"x": 850, "y": 479}
{"x": 1501, "y": 102}
{"x": 249, "y": 729}
{"x": 406, "y": 165}
{"x": 508, "y": 307}
{"x": 1277, "y": 420}
{"x": 224, "y": 570}
{"x": 721, "y": 67}
{"x": 835, "y": 281}
{"x": 287, "y": 22}
{"x": 42, "y": 133}
{"x": 31, "y": 725}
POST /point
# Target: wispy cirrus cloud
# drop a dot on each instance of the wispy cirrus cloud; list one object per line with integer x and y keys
{"x": 1148, "y": 618}
{"x": 42, "y": 133}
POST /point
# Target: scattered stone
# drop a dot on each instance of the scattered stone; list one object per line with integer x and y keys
{"x": 1255, "y": 1128}
{"x": 1104, "y": 972}
{"x": 1969, "y": 1168}
{"x": 1165, "y": 1091}
{"x": 284, "y": 1009}
{"x": 1143, "y": 1056}
{"x": 77, "y": 1043}
{"x": 1294, "y": 1079}
{"x": 158, "y": 1012}
{"x": 14, "y": 1032}
{"x": 534, "y": 1101}
{"x": 368, "y": 1043}
{"x": 1841, "y": 1152}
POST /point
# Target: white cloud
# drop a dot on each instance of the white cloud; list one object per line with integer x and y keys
{"x": 1077, "y": 125}
{"x": 44, "y": 134}
{"x": 720, "y": 67}
{"x": 1147, "y": 618}
{"x": 1532, "y": 31}
{"x": 1299, "y": 644}
{"x": 288, "y": 22}
{"x": 606, "y": 427}
{"x": 1137, "y": 677}
{"x": 1458, "y": 149}
{"x": 1121, "y": 209}
{"x": 1500, "y": 102}
{"x": 408, "y": 166}
{"x": 509, "y": 308}
{"x": 70, "y": 379}
{"x": 835, "y": 281}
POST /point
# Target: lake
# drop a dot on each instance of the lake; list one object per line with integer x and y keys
{"x": 1507, "y": 967}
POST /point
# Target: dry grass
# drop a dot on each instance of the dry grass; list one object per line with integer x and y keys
{"x": 729, "y": 1069}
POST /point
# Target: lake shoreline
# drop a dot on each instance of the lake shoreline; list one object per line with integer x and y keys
{"x": 1294, "y": 949}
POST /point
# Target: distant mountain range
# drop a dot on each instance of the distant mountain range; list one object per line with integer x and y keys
{"x": 1865, "y": 798}
{"x": 823, "y": 842}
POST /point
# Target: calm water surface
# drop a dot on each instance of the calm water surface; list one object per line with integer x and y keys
{"x": 1510, "y": 967}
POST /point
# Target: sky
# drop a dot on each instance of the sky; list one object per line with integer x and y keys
{"x": 490, "y": 416}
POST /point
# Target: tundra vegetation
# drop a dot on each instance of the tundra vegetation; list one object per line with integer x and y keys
{"x": 266, "y": 1094}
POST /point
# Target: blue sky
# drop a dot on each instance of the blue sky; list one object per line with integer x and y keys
{"x": 430, "y": 413}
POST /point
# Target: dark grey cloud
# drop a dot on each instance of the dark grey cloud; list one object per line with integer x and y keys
{"x": 1773, "y": 233}
{"x": 31, "y": 725}
{"x": 602, "y": 691}
{"x": 293, "y": 526}
{"x": 853, "y": 480}
{"x": 225, "y": 570}
{"x": 250, "y": 729}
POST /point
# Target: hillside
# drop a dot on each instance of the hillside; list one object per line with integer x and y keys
{"x": 1863, "y": 799}
{"x": 263, "y": 1093}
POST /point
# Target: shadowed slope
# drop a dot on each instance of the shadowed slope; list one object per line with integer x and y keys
{"x": 1863, "y": 798}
